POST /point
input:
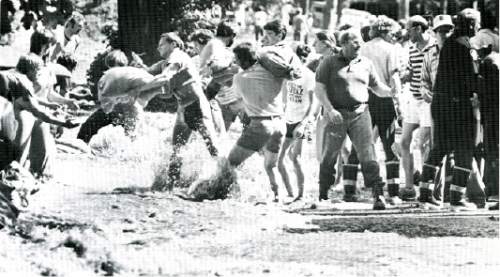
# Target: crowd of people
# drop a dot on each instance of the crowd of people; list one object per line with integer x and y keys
{"x": 439, "y": 76}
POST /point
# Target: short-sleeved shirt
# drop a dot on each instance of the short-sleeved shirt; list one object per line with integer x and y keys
{"x": 14, "y": 85}
{"x": 384, "y": 56}
{"x": 185, "y": 81}
{"x": 260, "y": 90}
{"x": 298, "y": 96}
{"x": 347, "y": 81}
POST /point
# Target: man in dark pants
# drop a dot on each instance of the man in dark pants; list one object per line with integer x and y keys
{"x": 452, "y": 113}
{"x": 194, "y": 113}
{"x": 383, "y": 54}
{"x": 488, "y": 97}
{"x": 342, "y": 83}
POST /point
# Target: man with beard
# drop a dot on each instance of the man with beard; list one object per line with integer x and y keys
{"x": 452, "y": 113}
{"x": 442, "y": 27}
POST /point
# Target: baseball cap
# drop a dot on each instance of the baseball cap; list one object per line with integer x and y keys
{"x": 442, "y": 20}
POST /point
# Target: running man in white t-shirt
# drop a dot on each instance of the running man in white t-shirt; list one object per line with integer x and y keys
{"x": 299, "y": 110}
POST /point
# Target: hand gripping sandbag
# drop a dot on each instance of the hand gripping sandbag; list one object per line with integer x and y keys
{"x": 280, "y": 63}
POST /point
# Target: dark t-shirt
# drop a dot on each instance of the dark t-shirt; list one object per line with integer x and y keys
{"x": 346, "y": 81}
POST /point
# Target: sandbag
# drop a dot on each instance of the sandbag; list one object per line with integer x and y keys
{"x": 280, "y": 63}
{"x": 121, "y": 85}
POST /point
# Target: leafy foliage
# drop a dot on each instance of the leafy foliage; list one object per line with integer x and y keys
{"x": 53, "y": 11}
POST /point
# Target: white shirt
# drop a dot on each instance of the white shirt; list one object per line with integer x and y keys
{"x": 298, "y": 96}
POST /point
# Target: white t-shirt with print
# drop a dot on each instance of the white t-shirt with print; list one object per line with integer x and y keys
{"x": 298, "y": 96}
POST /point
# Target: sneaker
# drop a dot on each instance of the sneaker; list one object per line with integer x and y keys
{"x": 462, "y": 206}
{"x": 408, "y": 194}
{"x": 394, "y": 200}
{"x": 350, "y": 197}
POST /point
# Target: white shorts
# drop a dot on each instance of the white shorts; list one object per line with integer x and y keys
{"x": 417, "y": 112}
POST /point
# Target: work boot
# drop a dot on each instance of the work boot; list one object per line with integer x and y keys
{"x": 458, "y": 202}
{"x": 378, "y": 197}
{"x": 427, "y": 198}
{"x": 408, "y": 194}
{"x": 350, "y": 193}
{"x": 393, "y": 190}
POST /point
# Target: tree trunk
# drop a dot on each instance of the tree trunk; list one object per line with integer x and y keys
{"x": 140, "y": 24}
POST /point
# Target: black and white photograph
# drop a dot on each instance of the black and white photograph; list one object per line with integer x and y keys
{"x": 249, "y": 138}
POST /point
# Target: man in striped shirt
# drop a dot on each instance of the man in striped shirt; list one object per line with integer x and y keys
{"x": 418, "y": 113}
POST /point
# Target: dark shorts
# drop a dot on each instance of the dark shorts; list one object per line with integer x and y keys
{"x": 263, "y": 132}
{"x": 290, "y": 128}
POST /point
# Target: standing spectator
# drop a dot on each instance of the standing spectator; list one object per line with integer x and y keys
{"x": 488, "y": 96}
{"x": 342, "y": 83}
{"x": 260, "y": 19}
{"x": 452, "y": 113}
{"x": 487, "y": 36}
{"x": 7, "y": 11}
{"x": 300, "y": 107}
{"x": 418, "y": 111}
{"x": 262, "y": 97}
{"x": 68, "y": 40}
{"x": 299, "y": 26}
{"x": 442, "y": 27}
{"x": 383, "y": 54}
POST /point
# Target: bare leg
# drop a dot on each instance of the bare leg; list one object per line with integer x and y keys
{"x": 281, "y": 165}
{"x": 406, "y": 156}
{"x": 295, "y": 153}
{"x": 270, "y": 165}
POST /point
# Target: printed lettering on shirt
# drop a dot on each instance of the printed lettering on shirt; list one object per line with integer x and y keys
{"x": 295, "y": 92}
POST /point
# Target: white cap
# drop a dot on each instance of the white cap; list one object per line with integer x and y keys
{"x": 442, "y": 20}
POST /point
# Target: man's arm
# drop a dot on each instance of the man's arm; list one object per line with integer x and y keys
{"x": 57, "y": 98}
{"x": 378, "y": 87}
{"x": 426, "y": 88}
{"x": 31, "y": 104}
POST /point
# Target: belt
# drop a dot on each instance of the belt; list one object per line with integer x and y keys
{"x": 270, "y": 117}
{"x": 352, "y": 108}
